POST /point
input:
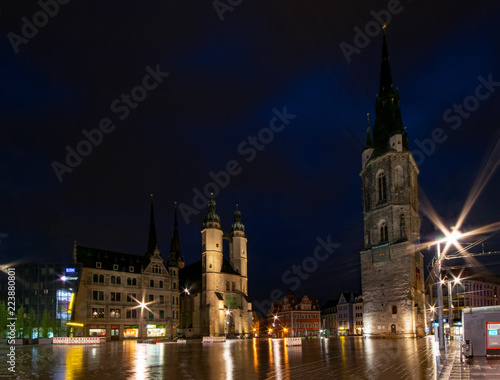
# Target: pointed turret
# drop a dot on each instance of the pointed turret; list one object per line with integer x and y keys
{"x": 175, "y": 257}
{"x": 238, "y": 248}
{"x": 152, "y": 242}
{"x": 237, "y": 225}
{"x": 368, "y": 151}
{"x": 386, "y": 84}
{"x": 369, "y": 142}
{"x": 211, "y": 219}
{"x": 388, "y": 127}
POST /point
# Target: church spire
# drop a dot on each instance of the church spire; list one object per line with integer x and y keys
{"x": 388, "y": 121}
{"x": 386, "y": 84}
{"x": 152, "y": 242}
{"x": 368, "y": 133}
{"x": 175, "y": 257}
{"x": 175, "y": 245}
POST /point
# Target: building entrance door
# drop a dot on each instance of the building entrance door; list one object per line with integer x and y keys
{"x": 115, "y": 333}
{"x": 393, "y": 329}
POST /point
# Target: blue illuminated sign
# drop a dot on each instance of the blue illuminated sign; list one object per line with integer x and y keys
{"x": 70, "y": 270}
{"x": 492, "y": 332}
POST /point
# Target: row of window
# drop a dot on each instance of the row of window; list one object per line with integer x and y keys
{"x": 303, "y": 325}
{"x": 98, "y": 295}
{"x": 296, "y": 316}
{"x": 98, "y": 312}
{"x": 98, "y": 265}
{"x": 99, "y": 279}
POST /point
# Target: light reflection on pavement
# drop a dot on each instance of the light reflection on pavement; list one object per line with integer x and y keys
{"x": 334, "y": 358}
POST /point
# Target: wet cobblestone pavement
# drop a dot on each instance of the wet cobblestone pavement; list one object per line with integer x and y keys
{"x": 335, "y": 358}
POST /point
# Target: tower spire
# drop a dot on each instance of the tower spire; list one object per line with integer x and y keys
{"x": 152, "y": 242}
{"x": 175, "y": 257}
{"x": 237, "y": 225}
{"x": 388, "y": 122}
{"x": 174, "y": 244}
{"x": 386, "y": 84}
{"x": 368, "y": 133}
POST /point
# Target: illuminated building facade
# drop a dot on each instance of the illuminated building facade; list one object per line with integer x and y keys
{"x": 215, "y": 298}
{"x": 129, "y": 296}
{"x": 50, "y": 288}
{"x": 329, "y": 317}
{"x": 462, "y": 289}
{"x": 391, "y": 267}
{"x": 294, "y": 316}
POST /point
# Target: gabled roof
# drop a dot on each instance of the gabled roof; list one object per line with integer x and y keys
{"x": 88, "y": 257}
{"x": 329, "y": 304}
{"x": 348, "y": 297}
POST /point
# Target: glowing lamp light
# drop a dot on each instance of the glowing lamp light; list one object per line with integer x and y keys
{"x": 63, "y": 278}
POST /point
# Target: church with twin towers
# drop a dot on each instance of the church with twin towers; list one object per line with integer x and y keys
{"x": 392, "y": 274}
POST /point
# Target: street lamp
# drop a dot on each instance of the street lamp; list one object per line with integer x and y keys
{"x": 456, "y": 281}
{"x": 225, "y": 331}
{"x": 141, "y": 322}
{"x": 451, "y": 238}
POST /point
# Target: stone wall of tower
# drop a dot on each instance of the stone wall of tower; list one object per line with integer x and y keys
{"x": 389, "y": 279}
{"x": 238, "y": 252}
{"x": 212, "y": 250}
{"x": 401, "y": 174}
{"x": 393, "y": 298}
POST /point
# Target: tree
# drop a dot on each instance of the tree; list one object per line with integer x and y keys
{"x": 30, "y": 323}
{"x": 47, "y": 324}
{"x": 20, "y": 321}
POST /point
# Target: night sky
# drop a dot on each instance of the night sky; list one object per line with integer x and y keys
{"x": 220, "y": 75}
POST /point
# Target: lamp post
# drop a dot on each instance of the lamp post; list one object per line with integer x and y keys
{"x": 141, "y": 321}
{"x": 450, "y": 306}
{"x": 225, "y": 330}
{"x": 440, "y": 296}
{"x": 450, "y": 238}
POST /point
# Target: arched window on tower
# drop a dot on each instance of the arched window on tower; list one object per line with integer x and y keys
{"x": 383, "y": 232}
{"x": 398, "y": 178}
{"x": 381, "y": 186}
{"x": 394, "y": 309}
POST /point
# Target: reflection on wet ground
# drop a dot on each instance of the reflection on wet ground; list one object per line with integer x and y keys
{"x": 334, "y": 358}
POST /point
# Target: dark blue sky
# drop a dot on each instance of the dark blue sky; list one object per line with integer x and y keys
{"x": 225, "y": 79}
